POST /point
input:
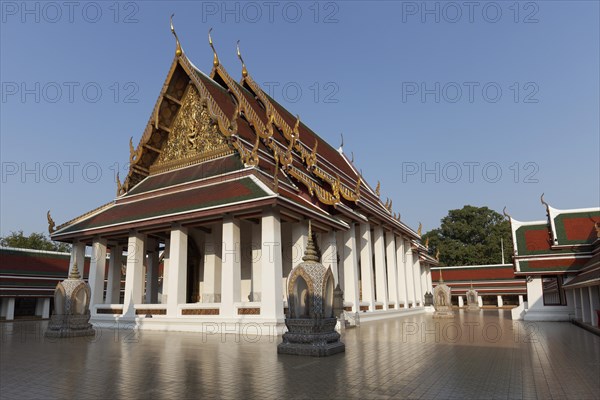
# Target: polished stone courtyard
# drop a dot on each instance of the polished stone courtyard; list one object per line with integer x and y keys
{"x": 481, "y": 355}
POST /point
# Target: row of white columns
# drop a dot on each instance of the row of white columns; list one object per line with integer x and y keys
{"x": 7, "y": 308}
{"x": 399, "y": 278}
{"x": 390, "y": 275}
{"x": 586, "y": 301}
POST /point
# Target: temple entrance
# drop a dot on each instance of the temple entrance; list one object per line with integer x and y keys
{"x": 193, "y": 272}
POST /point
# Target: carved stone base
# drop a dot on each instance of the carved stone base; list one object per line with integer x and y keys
{"x": 443, "y": 312}
{"x": 63, "y": 326}
{"x": 309, "y": 337}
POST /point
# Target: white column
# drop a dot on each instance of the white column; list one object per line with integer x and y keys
{"x": 349, "y": 256}
{"x": 429, "y": 282}
{"x": 77, "y": 256}
{"x": 461, "y": 302}
{"x": 178, "y": 246}
{"x": 271, "y": 305}
{"x": 257, "y": 262}
{"x": 500, "y": 302}
{"x": 7, "y": 310}
{"x": 479, "y": 301}
{"x": 520, "y": 299}
{"x": 113, "y": 286}
{"x": 164, "y": 298}
{"x": 299, "y": 241}
{"x": 46, "y": 308}
{"x": 392, "y": 269}
{"x": 417, "y": 279}
{"x": 152, "y": 273}
{"x": 329, "y": 257}
{"x": 97, "y": 271}
{"x": 366, "y": 266}
{"x": 400, "y": 262}
{"x": 39, "y": 303}
{"x": 408, "y": 265}
{"x": 585, "y": 305}
{"x": 231, "y": 278}
{"x": 213, "y": 247}
{"x": 423, "y": 269}
{"x": 380, "y": 268}
{"x": 594, "y": 303}
{"x": 134, "y": 275}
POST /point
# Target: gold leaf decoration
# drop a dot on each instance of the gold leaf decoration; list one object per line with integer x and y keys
{"x": 194, "y": 136}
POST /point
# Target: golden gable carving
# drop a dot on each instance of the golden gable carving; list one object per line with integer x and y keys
{"x": 194, "y": 137}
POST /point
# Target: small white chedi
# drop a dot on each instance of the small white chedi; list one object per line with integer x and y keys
{"x": 71, "y": 316}
{"x": 442, "y": 300}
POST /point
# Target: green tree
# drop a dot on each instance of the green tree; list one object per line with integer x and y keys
{"x": 471, "y": 236}
{"x": 36, "y": 241}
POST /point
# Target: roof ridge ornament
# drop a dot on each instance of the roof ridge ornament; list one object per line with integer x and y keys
{"x": 239, "y": 54}
{"x": 178, "y": 50}
{"x": 420, "y": 229}
{"x": 341, "y": 149}
{"x": 210, "y": 42}
{"x": 507, "y": 215}
{"x": 51, "y": 224}
{"x": 437, "y": 257}
{"x": 545, "y": 204}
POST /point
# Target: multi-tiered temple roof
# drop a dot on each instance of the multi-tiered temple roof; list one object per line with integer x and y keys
{"x": 566, "y": 242}
{"x": 214, "y": 145}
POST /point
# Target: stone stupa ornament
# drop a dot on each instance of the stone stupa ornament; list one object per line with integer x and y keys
{"x": 71, "y": 315}
{"x": 472, "y": 299}
{"x": 442, "y": 300}
{"x": 311, "y": 316}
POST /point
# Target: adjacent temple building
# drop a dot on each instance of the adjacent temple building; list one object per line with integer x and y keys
{"x": 213, "y": 215}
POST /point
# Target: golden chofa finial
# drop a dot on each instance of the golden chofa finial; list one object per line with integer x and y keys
{"x": 239, "y": 54}
{"x": 178, "y": 51}
{"x": 297, "y": 126}
{"x": 507, "y": 215}
{"x": 342, "y": 143}
{"x": 378, "y": 189}
{"x": 437, "y": 257}
{"x": 51, "y": 223}
{"x": 427, "y": 242}
{"x": 420, "y": 228}
{"x": 210, "y": 42}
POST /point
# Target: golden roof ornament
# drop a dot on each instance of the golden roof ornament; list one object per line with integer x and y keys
{"x": 51, "y": 224}
{"x": 597, "y": 226}
{"x": 210, "y": 42}
{"x": 437, "y": 255}
{"x": 427, "y": 242}
{"x": 131, "y": 151}
{"x": 119, "y": 185}
{"x": 420, "y": 229}
{"x": 378, "y": 189}
{"x": 178, "y": 50}
{"x": 239, "y": 54}
{"x": 297, "y": 126}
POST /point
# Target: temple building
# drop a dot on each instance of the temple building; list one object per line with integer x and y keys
{"x": 496, "y": 284}
{"x": 213, "y": 215}
{"x": 560, "y": 259}
{"x": 28, "y": 279}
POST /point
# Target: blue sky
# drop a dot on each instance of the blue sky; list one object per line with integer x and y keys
{"x": 446, "y": 104}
